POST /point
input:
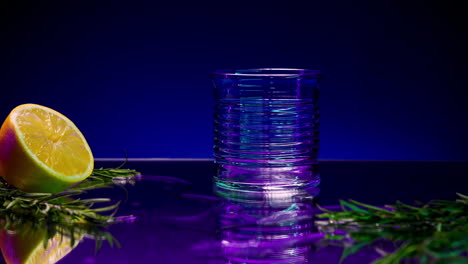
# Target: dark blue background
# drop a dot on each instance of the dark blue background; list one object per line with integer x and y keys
{"x": 134, "y": 75}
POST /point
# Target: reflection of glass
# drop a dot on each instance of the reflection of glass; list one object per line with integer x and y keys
{"x": 274, "y": 226}
{"x": 266, "y": 129}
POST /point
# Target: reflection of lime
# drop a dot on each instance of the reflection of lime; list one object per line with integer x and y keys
{"x": 28, "y": 248}
{"x": 42, "y": 151}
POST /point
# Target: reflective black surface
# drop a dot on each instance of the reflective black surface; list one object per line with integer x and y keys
{"x": 181, "y": 220}
{"x": 376, "y": 182}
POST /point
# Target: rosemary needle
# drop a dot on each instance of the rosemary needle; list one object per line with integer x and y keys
{"x": 63, "y": 212}
{"x": 436, "y": 232}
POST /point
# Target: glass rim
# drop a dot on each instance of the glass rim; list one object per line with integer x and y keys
{"x": 266, "y": 72}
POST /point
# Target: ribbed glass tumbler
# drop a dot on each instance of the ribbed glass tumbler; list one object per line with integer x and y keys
{"x": 266, "y": 129}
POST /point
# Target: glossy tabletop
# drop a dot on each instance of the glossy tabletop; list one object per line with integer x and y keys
{"x": 179, "y": 219}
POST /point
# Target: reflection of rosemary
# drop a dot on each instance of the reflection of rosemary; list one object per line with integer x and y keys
{"x": 61, "y": 212}
{"x": 436, "y": 232}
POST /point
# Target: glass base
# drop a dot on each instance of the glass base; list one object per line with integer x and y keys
{"x": 273, "y": 194}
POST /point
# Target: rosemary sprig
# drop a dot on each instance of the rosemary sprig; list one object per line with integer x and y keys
{"x": 63, "y": 212}
{"x": 436, "y": 232}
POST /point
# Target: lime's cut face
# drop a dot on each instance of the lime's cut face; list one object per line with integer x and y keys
{"x": 54, "y": 140}
{"x": 42, "y": 151}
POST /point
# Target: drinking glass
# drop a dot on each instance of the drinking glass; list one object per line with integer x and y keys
{"x": 266, "y": 130}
